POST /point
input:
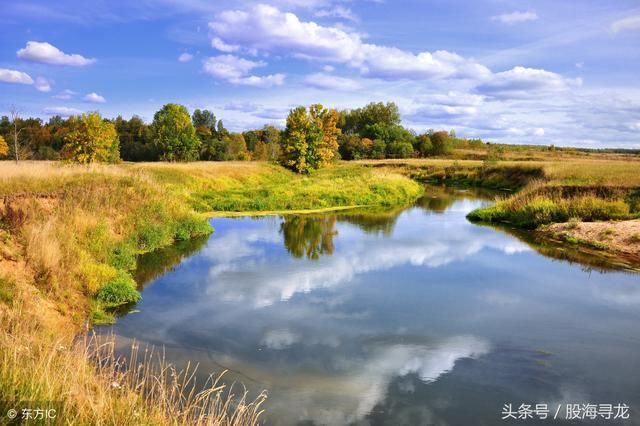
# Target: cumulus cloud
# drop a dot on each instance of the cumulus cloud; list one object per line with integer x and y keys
{"x": 220, "y": 45}
{"x": 62, "y": 111}
{"x": 65, "y": 94}
{"x": 630, "y": 23}
{"x": 515, "y": 17}
{"x": 185, "y": 57}
{"x": 266, "y": 28}
{"x": 14, "y": 76}
{"x": 49, "y": 54}
{"x": 521, "y": 81}
{"x": 43, "y": 85}
{"x": 237, "y": 70}
{"x": 444, "y": 107}
{"x": 94, "y": 98}
{"x": 326, "y": 81}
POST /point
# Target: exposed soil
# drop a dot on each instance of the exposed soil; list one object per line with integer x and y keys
{"x": 621, "y": 237}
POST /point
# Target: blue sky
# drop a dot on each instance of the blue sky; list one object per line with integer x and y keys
{"x": 538, "y": 71}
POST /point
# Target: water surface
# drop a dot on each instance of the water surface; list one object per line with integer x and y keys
{"x": 409, "y": 317}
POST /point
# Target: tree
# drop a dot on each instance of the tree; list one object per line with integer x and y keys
{"x": 260, "y": 151}
{"x": 204, "y": 118}
{"x": 237, "y": 148}
{"x": 310, "y": 139}
{"x": 295, "y": 145}
{"x": 271, "y": 137}
{"x": 328, "y": 145}
{"x": 4, "y": 148}
{"x": 355, "y": 120}
{"x": 440, "y": 144}
{"x": 174, "y": 134}
{"x": 91, "y": 139}
{"x": 423, "y": 145}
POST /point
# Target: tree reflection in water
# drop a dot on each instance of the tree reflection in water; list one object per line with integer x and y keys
{"x": 309, "y": 236}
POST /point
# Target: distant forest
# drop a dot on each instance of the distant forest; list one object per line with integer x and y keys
{"x": 311, "y": 138}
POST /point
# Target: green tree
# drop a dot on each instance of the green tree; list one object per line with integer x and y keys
{"x": 440, "y": 143}
{"x": 423, "y": 145}
{"x": 204, "y": 118}
{"x": 260, "y": 151}
{"x": 356, "y": 120}
{"x": 174, "y": 134}
{"x": 91, "y": 139}
{"x": 271, "y": 137}
{"x": 237, "y": 148}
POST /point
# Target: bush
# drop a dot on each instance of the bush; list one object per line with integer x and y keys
{"x": 192, "y": 227}
{"x": 119, "y": 291}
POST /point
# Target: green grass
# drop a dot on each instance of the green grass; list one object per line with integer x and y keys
{"x": 529, "y": 212}
{"x": 272, "y": 188}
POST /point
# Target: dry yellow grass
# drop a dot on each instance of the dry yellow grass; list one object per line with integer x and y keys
{"x": 95, "y": 387}
{"x": 67, "y": 232}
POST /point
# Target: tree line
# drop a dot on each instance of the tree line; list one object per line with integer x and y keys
{"x": 313, "y": 138}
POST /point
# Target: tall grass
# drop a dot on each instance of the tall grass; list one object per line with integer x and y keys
{"x": 96, "y": 387}
{"x": 69, "y": 241}
{"x": 539, "y": 204}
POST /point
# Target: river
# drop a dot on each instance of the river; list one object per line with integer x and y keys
{"x": 409, "y": 317}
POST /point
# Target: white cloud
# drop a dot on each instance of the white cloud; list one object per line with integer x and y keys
{"x": 328, "y": 68}
{"x": 340, "y": 12}
{"x": 220, "y": 45}
{"x": 93, "y": 97}
{"x": 228, "y": 67}
{"x": 62, "y": 111}
{"x": 515, "y": 17}
{"x": 630, "y": 23}
{"x": 14, "y": 76}
{"x": 392, "y": 63}
{"x": 49, "y": 54}
{"x": 43, "y": 85}
{"x": 261, "y": 81}
{"x": 265, "y": 28}
{"x": 529, "y": 82}
{"x": 65, "y": 94}
{"x": 241, "y": 106}
{"x": 279, "y": 339}
{"x": 326, "y": 81}
{"x": 185, "y": 57}
{"x": 236, "y": 70}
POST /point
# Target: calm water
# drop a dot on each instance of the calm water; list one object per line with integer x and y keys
{"x": 410, "y": 317}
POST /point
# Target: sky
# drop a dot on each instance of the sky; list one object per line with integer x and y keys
{"x": 519, "y": 71}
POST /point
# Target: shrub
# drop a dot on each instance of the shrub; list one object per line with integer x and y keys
{"x": 191, "y": 227}
{"x": 123, "y": 256}
{"x": 119, "y": 291}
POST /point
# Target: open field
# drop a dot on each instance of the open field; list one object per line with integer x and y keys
{"x": 69, "y": 238}
{"x": 70, "y": 235}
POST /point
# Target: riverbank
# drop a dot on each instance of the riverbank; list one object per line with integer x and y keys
{"x": 600, "y": 191}
{"x": 621, "y": 238}
{"x": 69, "y": 238}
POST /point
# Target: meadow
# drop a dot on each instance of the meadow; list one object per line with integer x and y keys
{"x": 70, "y": 236}
{"x": 69, "y": 239}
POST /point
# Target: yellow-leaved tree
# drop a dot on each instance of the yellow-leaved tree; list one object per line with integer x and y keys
{"x": 90, "y": 140}
{"x": 310, "y": 139}
{"x": 4, "y": 148}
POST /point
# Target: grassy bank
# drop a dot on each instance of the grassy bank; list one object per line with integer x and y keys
{"x": 548, "y": 189}
{"x": 69, "y": 239}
